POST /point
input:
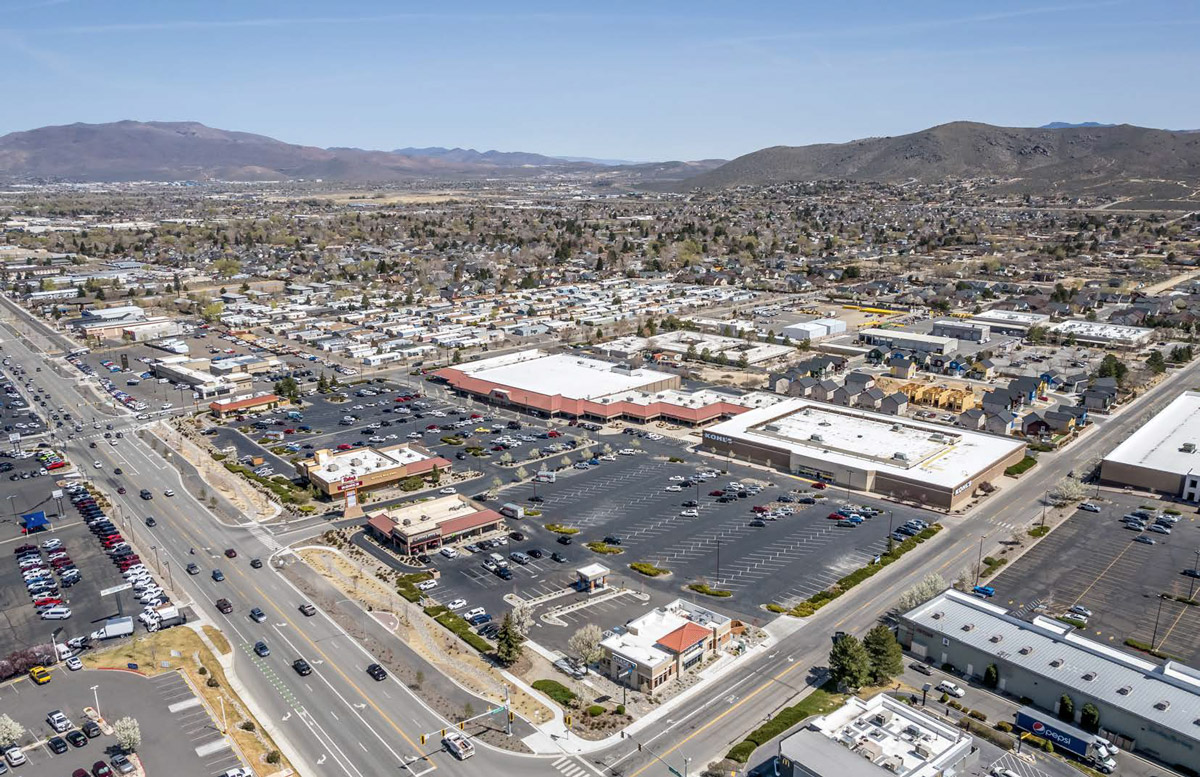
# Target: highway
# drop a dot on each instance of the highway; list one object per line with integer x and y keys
{"x": 339, "y": 722}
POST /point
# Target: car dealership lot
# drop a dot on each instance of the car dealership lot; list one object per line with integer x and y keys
{"x": 1092, "y": 561}
{"x": 785, "y": 560}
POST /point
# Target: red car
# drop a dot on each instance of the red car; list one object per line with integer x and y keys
{"x": 400, "y": 399}
{"x": 716, "y": 493}
{"x": 101, "y": 769}
{"x": 24, "y": 549}
{"x": 759, "y": 508}
{"x": 553, "y": 433}
{"x": 818, "y": 485}
{"x": 56, "y": 465}
{"x": 112, "y": 539}
{"x": 345, "y": 446}
{"x": 48, "y": 601}
{"x": 289, "y": 431}
{"x": 835, "y": 516}
{"x": 475, "y": 415}
{"x": 432, "y": 426}
{"x": 129, "y": 561}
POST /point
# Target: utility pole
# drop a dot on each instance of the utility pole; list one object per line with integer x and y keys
{"x": 979, "y": 560}
{"x": 1154, "y": 639}
{"x": 1195, "y": 571}
{"x": 1045, "y": 501}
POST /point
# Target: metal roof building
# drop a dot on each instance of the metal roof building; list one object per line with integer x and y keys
{"x": 1144, "y": 706}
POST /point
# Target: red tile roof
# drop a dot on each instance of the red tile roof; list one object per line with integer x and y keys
{"x": 381, "y": 523}
{"x": 467, "y": 522}
{"x": 684, "y": 637}
{"x": 238, "y": 404}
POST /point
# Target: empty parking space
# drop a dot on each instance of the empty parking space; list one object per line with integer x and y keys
{"x": 1093, "y": 561}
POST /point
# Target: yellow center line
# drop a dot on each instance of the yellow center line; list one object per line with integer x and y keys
{"x": 1174, "y": 624}
{"x": 344, "y": 676}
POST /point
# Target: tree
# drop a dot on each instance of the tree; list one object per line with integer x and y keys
{"x": 584, "y": 644}
{"x": 1112, "y": 367}
{"x": 1036, "y": 334}
{"x": 930, "y": 586}
{"x": 1089, "y": 718}
{"x": 287, "y": 387}
{"x": 522, "y": 618}
{"x": 1156, "y": 362}
{"x": 435, "y": 475}
{"x": 509, "y": 641}
{"x": 211, "y": 312}
{"x": 849, "y": 662}
{"x": 10, "y": 731}
{"x": 128, "y": 733}
{"x": 1067, "y": 491}
{"x": 991, "y": 676}
{"x": 322, "y": 384}
{"x": 887, "y": 659}
{"x": 1066, "y": 708}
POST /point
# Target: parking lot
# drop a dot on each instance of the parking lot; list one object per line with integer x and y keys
{"x": 786, "y": 559}
{"x": 20, "y": 624}
{"x": 178, "y": 735}
{"x": 21, "y": 406}
{"x": 1093, "y": 561}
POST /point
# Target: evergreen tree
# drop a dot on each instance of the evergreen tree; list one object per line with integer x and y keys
{"x": 887, "y": 660}
{"x": 509, "y": 642}
{"x": 849, "y": 662}
{"x": 1089, "y": 718}
{"x": 1066, "y": 708}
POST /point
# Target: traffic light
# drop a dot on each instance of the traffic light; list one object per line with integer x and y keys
{"x": 567, "y": 720}
{"x": 511, "y": 716}
{"x": 462, "y": 725}
{"x": 422, "y": 739}
{"x": 443, "y": 733}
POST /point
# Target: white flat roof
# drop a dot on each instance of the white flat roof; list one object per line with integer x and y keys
{"x": 903, "y": 334}
{"x": 1012, "y": 317}
{"x": 1156, "y": 445}
{"x": 363, "y": 461}
{"x": 858, "y": 439}
{"x": 1093, "y": 330}
{"x": 567, "y": 375}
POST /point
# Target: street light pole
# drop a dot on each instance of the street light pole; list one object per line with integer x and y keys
{"x": 1195, "y": 571}
{"x": 979, "y": 560}
{"x": 96, "y": 697}
{"x": 1045, "y": 501}
{"x": 1154, "y": 639}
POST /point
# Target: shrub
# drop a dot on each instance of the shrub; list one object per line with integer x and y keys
{"x": 1004, "y": 726}
{"x": 1039, "y": 531}
{"x": 977, "y": 715}
{"x": 595, "y": 711}
{"x": 211, "y": 682}
{"x": 458, "y": 627}
{"x": 1024, "y": 465}
{"x": 945, "y": 697}
{"x": 998, "y": 738}
{"x": 246, "y": 725}
{"x": 620, "y": 710}
{"x": 647, "y": 569}
{"x": 604, "y": 549}
{"x": 772, "y": 607}
{"x": 556, "y": 691}
{"x": 273, "y": 757}
{"x": 703, "y": 588}
{"x": 742, "y": 751}
{"x": 559, "y": 528}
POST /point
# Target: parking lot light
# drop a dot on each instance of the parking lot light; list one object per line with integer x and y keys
{"x": 96, "y": 697}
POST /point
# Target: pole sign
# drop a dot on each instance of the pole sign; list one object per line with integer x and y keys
{"x": 1034, "y": 724}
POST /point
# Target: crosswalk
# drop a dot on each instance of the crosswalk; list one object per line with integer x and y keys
{"x": 568, "y": 766}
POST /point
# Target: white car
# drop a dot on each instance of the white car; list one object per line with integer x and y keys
{"x": 426, "y": 585}
{"x": 951, "y": 689}
{"x": 168, "y": 492}
{"x": 52, "y": 544}
{"x": 457, "y": 604}
{"x": 447, "y": 491}
{"x": 97, "y": 464}
{"x": 58, "y": 613}
{"x": 74, "y": 664}
{"x": 689, "y": 513}
{"x": 627, "y": 451}
{"x": 474, "y": 612}
{"x": 677, "y": 478}
{"x": 675, "y": 487}
{"x": 449, "y": 552}
{"x": 14, "y": 756}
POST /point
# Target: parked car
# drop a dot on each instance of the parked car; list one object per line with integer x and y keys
{"x": 951, "y": 689}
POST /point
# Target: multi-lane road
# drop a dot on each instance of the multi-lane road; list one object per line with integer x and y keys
{"x": 339, "y": 722}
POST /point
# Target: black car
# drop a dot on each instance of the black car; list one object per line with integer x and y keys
{"x": 377, "y": 672}
{"x": 504, "y": 573}
{"x": 612, "y": 540}
{"x": 424, "y": 559}
{"x": 535, "y": 552}
{"x": 560, "y": 558}
{"x": 302, "y": 668}
{"x": 563, "y": 540}
{"x": 691, "y": 503}
{"x": 57, "y": 745}
{"x": 256, "y": 563}
{"x": 516, "y": 535}
{"x": 145, "y": 494}
{"x": 261, "y": 649}
{"x": 91, "y": 729}
{"x": 76, "y": 738}
{"x": 150, "y": 521}
{"x": 757, "y": 523}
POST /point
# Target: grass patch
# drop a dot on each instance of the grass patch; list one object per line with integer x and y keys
{"x": 406, "y": 585}
{"x": 822, "y": 598}
{"x": 556, "y": 691}
{"x": 1024, "y": 465}
{"x": 559, "y": 528}
{"x": 648, "y": 569}
{"x": 772, "y": 607}
{"x": 703, "y": 588}
{"x": 1067, "y": 619}
{"x": 1145, "y": 648}
{"x": 1038, "y": 531}
{"x": 218, "y": 639}
{"x": 819, "y": 702}
{"x": 280, "y": 486}
{"x": 459, "y": 627}
{"x": 604, "y": 549}
{"x": 991, "y": 565}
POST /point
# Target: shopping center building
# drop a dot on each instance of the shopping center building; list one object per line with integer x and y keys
{"x": 422, "y": 527}
{"x": 364, "y": 469}
{"x": 909, "y": 460}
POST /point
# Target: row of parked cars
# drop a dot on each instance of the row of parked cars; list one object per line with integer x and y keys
{"x": 43, "y": 577}
{"x": 1144, "y": 520}
{"x": 145, "y": 587}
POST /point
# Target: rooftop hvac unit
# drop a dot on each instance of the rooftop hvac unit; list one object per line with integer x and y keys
{"x": 816, "y": 438}
{"x": 1163, "y": 705}
{"x": 406, "y": 522}
{"x": 1056, "y": 663}
{"x": 937, "y": 438}
{"x": 968, "y": 627}
{"x": 826, "y": 422}
{"x": 771, "y": 427}
{"x": 1188, "y": 447}
{"x": 882, "y": 717}
{"x": 924, "y": 750}
{"x": 896, "y": 427}
{"x": 900, "y": 456}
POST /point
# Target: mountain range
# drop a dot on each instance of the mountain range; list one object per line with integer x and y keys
{"x": 1067, "y": 158}
{"x": 175, "y": 151}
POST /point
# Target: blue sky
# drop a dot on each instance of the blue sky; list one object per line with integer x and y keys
{"x": 630, "y": 80}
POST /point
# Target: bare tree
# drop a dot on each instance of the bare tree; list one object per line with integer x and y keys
{"x": 1067, "y": 491}
{"x": 10, "y": 731}
{"x": 522, "y": 618}
{"x": 128, "y": 733}
{"x": 930, "y": 586}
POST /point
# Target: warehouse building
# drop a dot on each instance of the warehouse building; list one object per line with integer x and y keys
{"x": 908, "y": 341}
{"x": 1010, "y": 322}
{"x": 868, "y": 451}
{"x": 363, "y": 469}
{"x": 1102, "y": 334}
{"x": 1162, "y": 455}
{"x": 1144, "y": 706}
{"x": 815, "y": 329}
{"x": 962, "y": 330}
{"x": 422, "y": 527}
{"x": 876, "y": 737}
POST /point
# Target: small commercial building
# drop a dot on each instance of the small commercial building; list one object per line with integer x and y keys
{"x": 866, "y": 450}
{"x": 1010, "y": 322}
{"x": 423, "y": 527}
{"x": 243, "y": 405}
{"x": 1163, "y": 454}
{"x": 971, "y": 331}
{"x": 876, "y": 737}
{"x": 1143, "y": 706}
{"x": 908, "y": 341}
{"x": 655, "y": 648}
{"x": 1102, "y": 334}
{"x": 334, "y": 472}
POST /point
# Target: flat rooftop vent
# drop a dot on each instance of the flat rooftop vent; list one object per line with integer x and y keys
{"x": 937, "y": 616}
{"x": 1025, "y": 650}
{"x": 900, "y": 456}
{"x": 1125, "y": 690}
{"x": 1056, "y": 663}
{"x": 1188, "y": 447}
{"x": 1089, "y": 676}
{"x": 968, "y": 627}
{"x": 1163, "y": 705}
{"x": 995, "y": 637}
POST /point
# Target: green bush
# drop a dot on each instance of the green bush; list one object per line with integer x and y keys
{"x": 604, "y": 549}
{"x": 1076, "y": 622}
{"x": 273, "y": 757}
{"x": 977, "y": 715}
{"x": 1039, "y": 531}
{"x": 742, "y": 751}
{"x": 406, "y": 585}
{"x": 818, "y": 702}
{"x": 772, "y": 607}
{"x": 556, "y": 691}
{"x": 1172, "y": 511}
{"x": 559, "y": 528}
{"x": 620, "y": 710}
{"x": 458, "y": 627}
{"x": 595, "y": 711}
{"x": 703, "y": 588}
{"x": 1004, "y": 726}
{"x": 1024, "y": 465}
{"x": 647, "y": 569}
